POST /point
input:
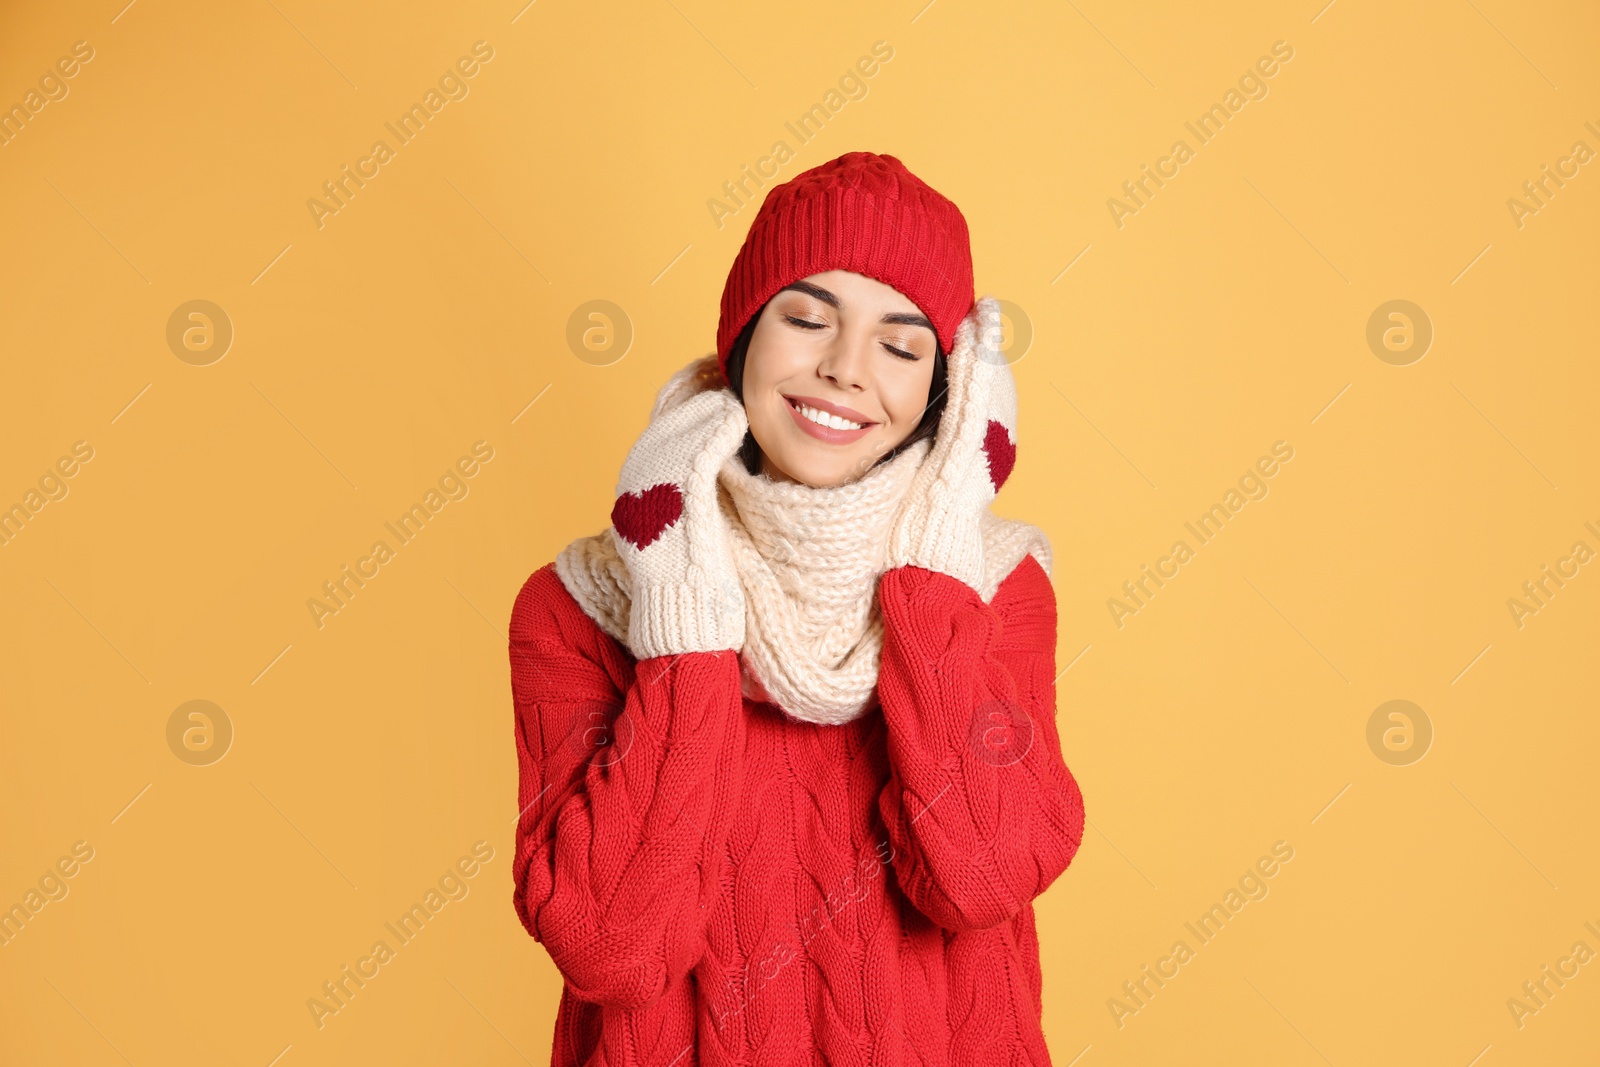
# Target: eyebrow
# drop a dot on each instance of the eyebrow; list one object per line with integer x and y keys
{"x": 893, "y": 318}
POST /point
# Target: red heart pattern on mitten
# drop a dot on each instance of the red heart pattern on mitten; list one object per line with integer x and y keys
{"x": 1001, "y": 452}
{"x": 641, "y": 517}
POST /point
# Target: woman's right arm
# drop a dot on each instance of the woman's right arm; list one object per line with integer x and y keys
{"x": 628, "y": 781}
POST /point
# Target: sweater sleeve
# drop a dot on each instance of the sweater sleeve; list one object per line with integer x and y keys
{"x": 628, "y": 781}
{"x": 980, "y": 808}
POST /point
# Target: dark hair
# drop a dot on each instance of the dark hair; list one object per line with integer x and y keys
{"x": 750, "y": 452}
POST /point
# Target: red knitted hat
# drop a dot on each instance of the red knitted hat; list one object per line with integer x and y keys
{"x": 862, "y": 212}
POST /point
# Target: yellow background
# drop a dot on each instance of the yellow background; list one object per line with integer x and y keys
{"x": 1229, "y": 313}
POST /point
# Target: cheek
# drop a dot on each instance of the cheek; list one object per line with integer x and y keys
{"x": 767, "y": 414}
{"x": 905, "y": 396}
{"x": 764, "y": 415}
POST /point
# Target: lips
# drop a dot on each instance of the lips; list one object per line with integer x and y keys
{"x": 829, "y": 434}
{"x": 831, "y": 407}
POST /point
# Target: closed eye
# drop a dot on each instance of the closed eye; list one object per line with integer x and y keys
{"x": 807, "y": 324}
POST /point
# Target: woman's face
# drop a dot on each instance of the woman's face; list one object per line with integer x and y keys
{"x": 848, "y": 350}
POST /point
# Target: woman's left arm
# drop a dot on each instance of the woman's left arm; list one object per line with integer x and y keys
{"x": 980, "y": 808}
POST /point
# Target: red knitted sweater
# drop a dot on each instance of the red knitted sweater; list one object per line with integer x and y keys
{"x": 719, "y": 883}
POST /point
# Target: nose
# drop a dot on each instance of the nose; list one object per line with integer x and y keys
{"x": 846, "y": 361}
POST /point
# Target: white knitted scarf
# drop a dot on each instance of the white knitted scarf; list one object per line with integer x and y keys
{"x": 808, "y": 559}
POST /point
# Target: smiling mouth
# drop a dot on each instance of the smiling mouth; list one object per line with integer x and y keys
{"x": 824, "y": 426}
{"x": 826, "y": 418}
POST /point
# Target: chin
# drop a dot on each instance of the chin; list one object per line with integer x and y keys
{"x": 819, "y": 472}
{"x": 819, "y": 466}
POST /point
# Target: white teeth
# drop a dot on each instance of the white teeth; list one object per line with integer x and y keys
{"x": 822, "y": 418}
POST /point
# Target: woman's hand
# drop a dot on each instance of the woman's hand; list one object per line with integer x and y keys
{"x": 939, "y": 527}
{"x": 667, "y": 523}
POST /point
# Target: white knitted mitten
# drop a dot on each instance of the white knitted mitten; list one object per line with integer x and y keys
{"x": 668, "y": 526}
{"x": 939, "y": 527}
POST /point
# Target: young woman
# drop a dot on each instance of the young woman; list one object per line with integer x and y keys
{"x": 790, "y": 775}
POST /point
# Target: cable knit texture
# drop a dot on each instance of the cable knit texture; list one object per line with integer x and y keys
{"x": 722, "y": 884}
